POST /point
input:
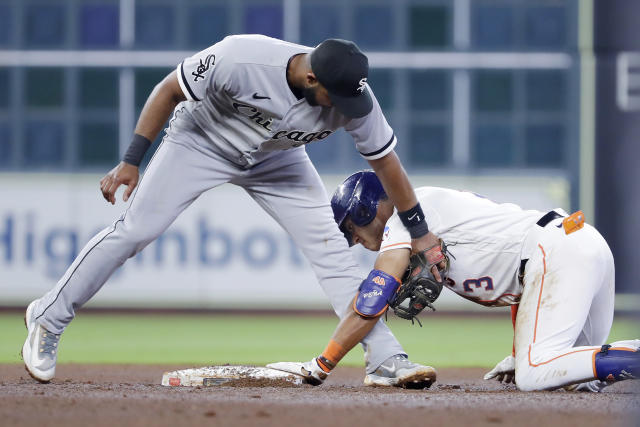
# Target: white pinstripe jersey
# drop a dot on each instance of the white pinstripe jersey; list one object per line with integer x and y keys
{"x": 485, "y": 237}
{"x": 238, "y": 96}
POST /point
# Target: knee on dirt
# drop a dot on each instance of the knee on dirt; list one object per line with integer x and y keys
{"x": 532, "y": 378}
{"x": 526, "y": 381}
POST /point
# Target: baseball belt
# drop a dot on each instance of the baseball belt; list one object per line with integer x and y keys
{"x": 542, "y": 222}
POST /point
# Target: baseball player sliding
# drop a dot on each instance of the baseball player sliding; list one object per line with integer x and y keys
{"x": 554, "y": 271}
{"x": 242, "y": 111}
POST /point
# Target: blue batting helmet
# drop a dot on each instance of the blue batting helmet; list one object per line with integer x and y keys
{"x": 357, "y": 198}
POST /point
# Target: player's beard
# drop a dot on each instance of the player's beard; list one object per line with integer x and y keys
{"x": 310, "y": 95}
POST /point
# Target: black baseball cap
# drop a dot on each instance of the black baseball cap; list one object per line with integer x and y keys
{"x": 342, "y": 69}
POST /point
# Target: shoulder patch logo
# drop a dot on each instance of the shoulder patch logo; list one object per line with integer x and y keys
{"x": 203, "y": 67}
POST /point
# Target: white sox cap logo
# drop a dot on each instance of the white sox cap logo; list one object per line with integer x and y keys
{"x": 361, "y": 84}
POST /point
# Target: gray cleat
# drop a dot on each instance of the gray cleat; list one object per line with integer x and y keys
{"x": 40, "y": 350}
{"x": 594, "y": 386}
{"x": 399, "y": 371}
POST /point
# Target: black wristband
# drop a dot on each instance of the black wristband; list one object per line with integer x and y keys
{"x": 139, "y": 145}
{"x": 414, "y": 221}
{"x": 326, "y": 362}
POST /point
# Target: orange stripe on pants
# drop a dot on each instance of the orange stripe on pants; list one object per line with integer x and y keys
{"x": 535, "y": 328}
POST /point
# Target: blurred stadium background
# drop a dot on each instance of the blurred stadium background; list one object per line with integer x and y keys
{"x": 531, "y": 101}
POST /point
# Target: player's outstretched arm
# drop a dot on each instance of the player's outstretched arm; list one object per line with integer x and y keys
{"x": 396, "y": 184}
{"x": 350, "y": 331}
{"x": 353, "y": 327}
{"x": 163, "y": 99}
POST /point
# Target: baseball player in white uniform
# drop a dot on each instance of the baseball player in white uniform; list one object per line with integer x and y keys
{"x": 555, "y": 272}
{"x": 243, "y": 109}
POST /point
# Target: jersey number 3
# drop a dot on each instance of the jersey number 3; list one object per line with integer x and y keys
{"x": 485, "y": 282}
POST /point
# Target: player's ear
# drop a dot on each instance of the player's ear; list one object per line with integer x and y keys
{"x": 311, "y": 78}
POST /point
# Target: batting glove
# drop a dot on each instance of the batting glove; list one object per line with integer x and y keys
{"x": 504, "y": 371}
{"x": 311, "y": 372}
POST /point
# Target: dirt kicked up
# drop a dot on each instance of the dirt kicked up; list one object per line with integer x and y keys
{"x": 114, "y": 395}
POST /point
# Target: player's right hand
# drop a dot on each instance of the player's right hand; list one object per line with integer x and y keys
{"x": 505, "y": 371}
{"x": 125, "y": 174}
{"x": 310, "y": 371}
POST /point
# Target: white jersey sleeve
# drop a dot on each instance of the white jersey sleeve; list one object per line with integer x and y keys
{"x": 209, "y": 69}
{"x": 395, "y": 235}
{"x": 372, "y": 134}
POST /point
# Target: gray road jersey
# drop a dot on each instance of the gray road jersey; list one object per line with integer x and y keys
{"x": 239, "y": 98}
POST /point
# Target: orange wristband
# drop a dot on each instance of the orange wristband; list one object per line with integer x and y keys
{"x": 331, "y": 356}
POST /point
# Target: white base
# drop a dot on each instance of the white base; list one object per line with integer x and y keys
{"x": 218, "y": 375}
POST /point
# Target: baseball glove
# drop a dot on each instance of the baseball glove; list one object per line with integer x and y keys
{"x": 419, "y": 288}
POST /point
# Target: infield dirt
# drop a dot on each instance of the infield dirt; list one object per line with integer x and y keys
{"x": 114, "y": 395}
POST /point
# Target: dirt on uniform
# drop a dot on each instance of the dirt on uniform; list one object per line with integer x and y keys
{"x": 115, "y": 395}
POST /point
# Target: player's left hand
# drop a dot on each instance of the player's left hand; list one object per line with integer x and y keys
{"x": 504, "y": 371}
{"x": 310, "y": 371}
{"x": 425, "y": 242}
